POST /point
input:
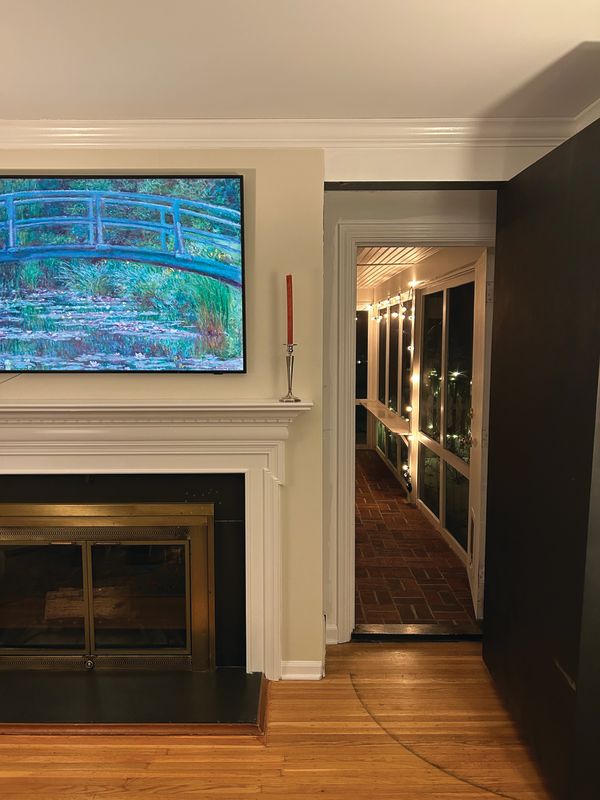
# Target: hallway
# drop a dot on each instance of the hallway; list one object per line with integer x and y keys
{"x": 405, "y": 571}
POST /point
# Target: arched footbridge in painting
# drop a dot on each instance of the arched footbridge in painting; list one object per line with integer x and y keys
{"x": 154, "y": 229}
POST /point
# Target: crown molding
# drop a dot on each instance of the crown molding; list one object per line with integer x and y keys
{"x": 288, "y": 133}
{"x": 587, "y": 116}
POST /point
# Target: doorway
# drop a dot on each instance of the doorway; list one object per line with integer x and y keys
{"x": 419, "y": 376}
{"x": 461, "y": 223}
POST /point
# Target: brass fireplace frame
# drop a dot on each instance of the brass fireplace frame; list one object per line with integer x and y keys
{"x": 121, "y": 523}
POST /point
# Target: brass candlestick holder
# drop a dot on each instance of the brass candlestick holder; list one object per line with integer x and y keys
{"x": 290, "y": 397}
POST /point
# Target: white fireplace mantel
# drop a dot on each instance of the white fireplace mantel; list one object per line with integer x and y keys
{"x": 106, "y": 436}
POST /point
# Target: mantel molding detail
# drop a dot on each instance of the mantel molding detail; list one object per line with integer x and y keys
{"x": 52, "y": 437}
{"x": 253, "y": 413}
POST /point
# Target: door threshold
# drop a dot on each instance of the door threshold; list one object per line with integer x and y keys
{"x": 432, "y": 633}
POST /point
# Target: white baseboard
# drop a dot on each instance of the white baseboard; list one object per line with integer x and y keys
{"x": 302, "y": 670}
{"x": 331, "y": 634}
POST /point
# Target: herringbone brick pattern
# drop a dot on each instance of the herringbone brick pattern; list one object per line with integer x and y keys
{"x": 405, "y": 571}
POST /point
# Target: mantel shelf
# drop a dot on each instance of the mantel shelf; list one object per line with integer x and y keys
{"x": 210, "y": 412}
{"x": 392, "y": 421}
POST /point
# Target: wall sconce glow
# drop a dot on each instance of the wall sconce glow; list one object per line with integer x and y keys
{"x": 409, "y": 408}
{"x": 410, "y": 347}
{"x": 395, "y": 314}
{"x": 404, "y": 467}
{"x": 412, "y": 284}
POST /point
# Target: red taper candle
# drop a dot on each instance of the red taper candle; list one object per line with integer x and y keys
{"x": 290, "y": 310}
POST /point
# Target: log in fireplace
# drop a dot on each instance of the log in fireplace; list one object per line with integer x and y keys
{"x": 108, "y": 586}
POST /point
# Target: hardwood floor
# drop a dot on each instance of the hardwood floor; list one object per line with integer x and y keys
{"x": 406, "y": 721}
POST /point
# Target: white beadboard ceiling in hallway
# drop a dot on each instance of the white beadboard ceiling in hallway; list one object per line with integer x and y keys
{"x": 297, "y": 59}
{"x": 377, "y": 264}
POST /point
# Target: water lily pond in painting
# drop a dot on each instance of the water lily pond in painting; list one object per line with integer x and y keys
{"x": 136, "y": 274}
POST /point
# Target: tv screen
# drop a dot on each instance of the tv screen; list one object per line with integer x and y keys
{"x": 121, "y": 274}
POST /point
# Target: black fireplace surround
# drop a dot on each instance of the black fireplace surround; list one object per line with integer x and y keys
{"x": 225, "y": 491}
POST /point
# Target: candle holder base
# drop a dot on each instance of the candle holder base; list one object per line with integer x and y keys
{"x": 290, "y": 397}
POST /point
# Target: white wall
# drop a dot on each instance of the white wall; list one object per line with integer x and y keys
{"x": 284, "y": 221}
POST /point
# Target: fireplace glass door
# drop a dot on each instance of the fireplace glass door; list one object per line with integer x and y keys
{"x": 139, "y": 596}
{"x": 94, "y": 597}
{"x": 112, "y": 596}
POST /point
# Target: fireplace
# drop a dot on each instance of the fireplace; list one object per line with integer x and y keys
{"x": 71, "y": 440}
{"x": 107, "y": 586}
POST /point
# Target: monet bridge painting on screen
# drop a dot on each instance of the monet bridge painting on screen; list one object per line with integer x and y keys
{"x": 103, "y": 274}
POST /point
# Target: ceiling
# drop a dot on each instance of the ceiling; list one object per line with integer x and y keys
{"x": 297, "y": 59}
{"x": 376, "y": 264}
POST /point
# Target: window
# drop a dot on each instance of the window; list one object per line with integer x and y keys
{"x": 460, "y": 369}
{"x": 457, "y": 506}
{"x": 429, "y": 466}
{"x": 381, "y": 436}
{"x": 382, "y": 360}
{"x": 362, "y": 353}
{"x": 393, "y": 358}
{"x": 445, "y": 406}
{"x": 362, "y": 350}
{"x": 431, "y": 365}
{"x": 405, "y": 387}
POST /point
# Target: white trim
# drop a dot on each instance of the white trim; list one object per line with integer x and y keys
{"x": 331, "y": 634}
{"x": 446, "y": 535}
{"x": 302, "y": 670}
{"x": 275, "y": 133}
{"x": 119, "y": 438}
{"x": 351, "y": 235}
{"x": 587, "y": 116}
{"x": 353, "y": 149}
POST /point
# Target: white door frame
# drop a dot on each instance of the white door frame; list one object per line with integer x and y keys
{"x": 350, "y": 235}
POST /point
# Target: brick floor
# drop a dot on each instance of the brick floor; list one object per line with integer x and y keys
{"x": 405, "y": 571}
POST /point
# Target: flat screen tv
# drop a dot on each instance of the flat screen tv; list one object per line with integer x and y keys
{"x": 121, "y": 273}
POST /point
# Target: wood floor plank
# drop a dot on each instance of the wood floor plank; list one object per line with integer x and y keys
{"x": 403, "y": 721}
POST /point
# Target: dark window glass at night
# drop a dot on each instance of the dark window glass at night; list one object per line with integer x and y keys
{"x": 457, "y": 505}
{"x": 405, "y": 398}
{"x": 460, "y": 369}
{"x": 431, "y": 367}
{"x": 392, "y": 447}
{"x": 429, "y": 492}
{"x": 393, "y": 358}
{"x": 361, "y": 424}
{"x": 382, "y": 357}
{"x": 362, "y": 350}
{"x": 381, "y": 443}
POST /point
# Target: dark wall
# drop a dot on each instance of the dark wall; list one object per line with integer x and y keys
{"x": 542, "y": 421}
{"x": 226, "y": 491}
{"x": 588, "y": 679}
